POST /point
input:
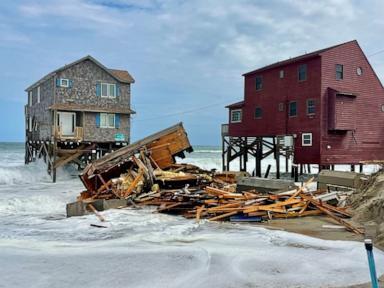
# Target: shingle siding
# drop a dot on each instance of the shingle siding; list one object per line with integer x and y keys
{"x": 84, "y": 76}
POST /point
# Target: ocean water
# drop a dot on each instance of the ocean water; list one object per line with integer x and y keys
{"x": 40, "y": 247}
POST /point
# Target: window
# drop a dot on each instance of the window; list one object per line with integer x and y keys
{"x": 108, "y": 90}
{"x": 281, "y": 107}
{"x": 311, "y": 107}
{"x": 302, "y": 72}
{"x": 236, "y": 116}
{"x": 258, "y": 113}
{"x": 292, "y": 109}
{"x": 30, "y": 98}
{"x": 359, "y": 71}
{"x": 64, "y": 83}
{"x": 107, "y": 120}
{"x": 38, "y": 94}
{"x": 281, "y": 74}
{"x": 306, "y": 139}
{"x": 339, "y": 72}
{"x": 259, "y": 82}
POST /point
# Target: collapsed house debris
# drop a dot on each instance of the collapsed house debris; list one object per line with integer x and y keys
{"x": 146, "y": 173}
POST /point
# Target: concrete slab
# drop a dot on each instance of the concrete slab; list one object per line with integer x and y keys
{"x": 338, "y": 178}
{"x": 264, "y": 185}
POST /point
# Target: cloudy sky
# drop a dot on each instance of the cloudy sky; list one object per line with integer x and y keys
{"x": 187, "y": 56}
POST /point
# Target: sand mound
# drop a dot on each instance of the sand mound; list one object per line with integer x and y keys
{"x": 368, "y": 205}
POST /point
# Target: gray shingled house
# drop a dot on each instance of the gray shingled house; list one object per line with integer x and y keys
{"x": 78, "y": 112}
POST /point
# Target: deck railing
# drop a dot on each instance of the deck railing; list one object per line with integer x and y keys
{"x": 77, "y": 135}
{"x": 224, "y": 129}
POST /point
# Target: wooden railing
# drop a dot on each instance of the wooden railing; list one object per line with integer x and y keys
{"x": 224, "y": 129}
{"x": 77, "y": 135}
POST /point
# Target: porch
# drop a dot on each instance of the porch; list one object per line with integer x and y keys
{"x": 68, "y": 126}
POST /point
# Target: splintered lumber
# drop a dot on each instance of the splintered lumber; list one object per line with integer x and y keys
{"x": 133, "y": 184}
{"x": 320, "y": 206}
{"x": 198, "y": 213}
{"x": 301, "y": 189}
{"x": 98, "y": 215}
{"x": 289, "y": 201}
{"x": 222, "y": 216}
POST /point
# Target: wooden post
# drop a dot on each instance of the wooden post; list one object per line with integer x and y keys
{"x": 352, "y": 168}
{"x": 361, "y": 168}
{"x": 259, "y": 155}
{"x": 223, "y": 153}
{"x": 54, "y": 148}
{"x": 286, "y": 162}
{"x": 309, "y": 168}
{"x": 245, "y": 153}
{"x": 267, "y": 172}
{"x": 277, "y": 156}
{"x": 301, "y": 169}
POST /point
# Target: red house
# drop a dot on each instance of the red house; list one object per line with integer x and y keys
{"x": 330, "y": 101}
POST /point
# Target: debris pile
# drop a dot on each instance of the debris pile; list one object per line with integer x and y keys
{"x": 145, "y": 173}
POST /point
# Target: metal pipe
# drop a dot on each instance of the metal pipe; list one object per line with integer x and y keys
{"x": 371, "y": 262}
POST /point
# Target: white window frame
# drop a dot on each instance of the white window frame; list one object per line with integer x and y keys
{"x": 108, "y": 95}
{"x": 30, "y": 98}
{"x": 107, "y": 115}
{"x": 38, "y": 94}
{"x": 281, "y": 74}
{"x": 303, "y": 139}
{"x": 241, "y": 115}
{"x": 64, "y": 85}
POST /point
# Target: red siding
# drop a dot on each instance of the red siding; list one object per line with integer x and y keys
{"x": 361, "y": 115}
{"x": 285, "y": 90}
{"x": 345, "y": 129}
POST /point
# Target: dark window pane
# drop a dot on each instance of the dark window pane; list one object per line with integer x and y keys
{"x": 311, "y": 107}
{"x": 292, "y": 109}
{"x": 259, "y": 82}
{"x": 258, "y": 112}
{"x": 339, "y": 71}
{"x": 302, "y": 72}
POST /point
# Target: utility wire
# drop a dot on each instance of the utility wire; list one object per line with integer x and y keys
{"x": 220, "y": 103}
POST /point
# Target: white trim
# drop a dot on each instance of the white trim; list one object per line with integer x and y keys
{"x": 241, "y": 115}
{"x": 38, "y": 94}
{"x": 108, "y": 95}
{"x": 61, "y": 82}
{"x": 30, "y": 98}
{"x": 303, "y": 135}
{"x": 107, "y": 115}
{"x": 30, "y": 124}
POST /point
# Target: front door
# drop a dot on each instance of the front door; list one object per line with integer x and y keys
{"x": 67, "y": 122}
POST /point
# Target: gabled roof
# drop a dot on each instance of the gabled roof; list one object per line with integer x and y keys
{"x": 120, "y": 75}
{"x": 296, "y": 59}
{"x": 236, "y": 105}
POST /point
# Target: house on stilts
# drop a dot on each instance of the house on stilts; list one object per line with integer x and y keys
{"x": 324, "y": 108}
{"x": 77, "y": 113}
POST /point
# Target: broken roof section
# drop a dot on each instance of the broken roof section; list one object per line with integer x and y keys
{"x": 295, "y": 59}
{"x": 120, "y": 75}
{"x": 162, "y": 146}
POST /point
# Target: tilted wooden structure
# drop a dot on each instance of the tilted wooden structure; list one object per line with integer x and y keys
{"x": 161, "y": 147}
